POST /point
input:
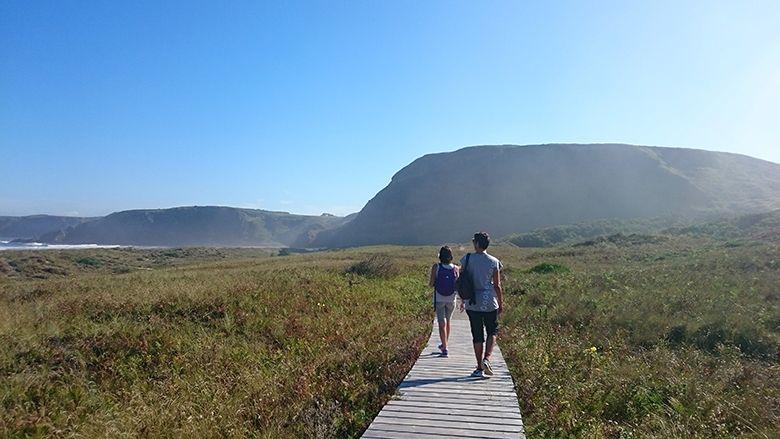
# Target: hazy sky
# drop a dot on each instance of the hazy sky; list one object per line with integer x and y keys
{"x": 312, "y": 106}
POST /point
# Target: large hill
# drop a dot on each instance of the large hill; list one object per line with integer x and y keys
{"x": 510, "y": 189}
{"x": 198, "y": 226}
{"x": 32, "y": 226}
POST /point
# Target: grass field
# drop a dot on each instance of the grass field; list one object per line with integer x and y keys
{"x": 671, "y": 339}
{"x": 662, "y": 336}
{"x": 231, "y": 343}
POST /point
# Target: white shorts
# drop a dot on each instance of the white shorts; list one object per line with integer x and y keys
{"x": 444, "y": 310}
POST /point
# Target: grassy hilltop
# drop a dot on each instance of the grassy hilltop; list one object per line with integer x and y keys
{"x": 668, "y": 335}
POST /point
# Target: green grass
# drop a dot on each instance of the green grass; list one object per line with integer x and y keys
{"x": 622, "y": 336}
{"x": 675, "y": 339}
{"x": 271, "y": 347}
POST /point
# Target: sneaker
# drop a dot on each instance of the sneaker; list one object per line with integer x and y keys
{"x": 487, "y": 367}
{"x": 445, "y": 353}
{"x": 477, "y": 373}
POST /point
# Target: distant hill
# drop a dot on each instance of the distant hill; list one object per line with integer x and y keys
{"x": 198, "y": 226}
{"x": 32, "y": 226}
{"x": 509, "y": 189}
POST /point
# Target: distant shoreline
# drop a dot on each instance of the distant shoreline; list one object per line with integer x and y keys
{"x": 8, "y": 245}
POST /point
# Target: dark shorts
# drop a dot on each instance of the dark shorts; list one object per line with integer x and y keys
{"x": 480, "y": 322}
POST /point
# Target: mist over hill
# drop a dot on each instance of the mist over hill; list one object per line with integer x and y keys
{"x": 32, "y": 226}
{"x": 198, "y": 226}
{"x": 508, "y": 189}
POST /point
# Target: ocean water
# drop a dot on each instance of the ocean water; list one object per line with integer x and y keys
{"x": 7, "y": 245}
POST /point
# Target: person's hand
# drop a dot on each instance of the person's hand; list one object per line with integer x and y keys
{"x": 500, "y": 308}
{"x": 461, "y": 306}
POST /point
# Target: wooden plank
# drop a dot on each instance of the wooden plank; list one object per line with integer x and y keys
{"x": 416, "y": 403}
{"x": 451, "y": 423}
{"x": 447, "y": 418}
{"x": 411, "y": 431}
{"x": 438, "y": 398}
{"x": 449, "y": 411}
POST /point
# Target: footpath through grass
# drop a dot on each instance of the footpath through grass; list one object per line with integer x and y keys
{"x": 243, "y": 345}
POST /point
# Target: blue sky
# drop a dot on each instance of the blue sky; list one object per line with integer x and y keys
{"x": 311, "y": 107}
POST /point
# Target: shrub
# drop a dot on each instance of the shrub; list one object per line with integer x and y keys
{"x": 677, "y": 334}
{"x": 546, "y": 267}
{"x": 375, "y": 266}
{"x": 710, "y": 336}
{"x": 89, "y": 261}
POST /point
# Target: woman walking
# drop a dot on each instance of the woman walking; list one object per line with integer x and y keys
{"x": 443, "y": 277}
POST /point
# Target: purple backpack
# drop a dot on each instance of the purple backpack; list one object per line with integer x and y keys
{"x": 445, "y": 281}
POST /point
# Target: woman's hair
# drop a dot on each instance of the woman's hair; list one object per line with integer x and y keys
{"x": 445, "y": 255}
{"x": 482, "y": 239}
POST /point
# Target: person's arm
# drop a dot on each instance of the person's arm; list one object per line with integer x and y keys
{"x": 432, "y": 280}
{"x": 461, "y": 305}
{"x": 497, "y": 287}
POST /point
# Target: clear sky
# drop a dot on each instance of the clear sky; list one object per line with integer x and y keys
{"x": 311, "y": 107}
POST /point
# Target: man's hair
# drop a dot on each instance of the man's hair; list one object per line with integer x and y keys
{"x": 445, "y": 255}
{"x": 482, "y": 239}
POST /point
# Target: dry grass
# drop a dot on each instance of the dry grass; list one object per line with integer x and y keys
{"x": 274, "y": 347}
{"x": 660, "y": 338}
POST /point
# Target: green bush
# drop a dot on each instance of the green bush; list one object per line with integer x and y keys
{"x": 89, "y": 261}
{"x": 547, "y": 267}
{"x": 379, "y": 266}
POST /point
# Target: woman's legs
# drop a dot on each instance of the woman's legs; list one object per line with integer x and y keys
{"x": 443, "y": 333}
{"x": 441, "y": 318}
{"x": 444, "y": 312}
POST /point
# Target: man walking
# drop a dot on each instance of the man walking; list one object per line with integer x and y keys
{"x": 487, "y": 303}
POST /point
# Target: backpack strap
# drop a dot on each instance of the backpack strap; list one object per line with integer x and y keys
{"x": 473, "y": 300}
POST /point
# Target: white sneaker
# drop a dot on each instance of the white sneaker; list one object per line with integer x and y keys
{"x": 487, "y": 367}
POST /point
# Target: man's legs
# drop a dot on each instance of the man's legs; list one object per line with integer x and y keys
{"x": 477, "y": 335}
{"x": 491, "y": 325}
{"x": 489, "y": 343}
{"x": 478, "y": 354}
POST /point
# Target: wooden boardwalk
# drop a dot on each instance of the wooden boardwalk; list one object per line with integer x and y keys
{"x": 439, "y": 399}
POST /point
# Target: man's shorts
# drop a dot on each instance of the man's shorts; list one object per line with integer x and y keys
{"x": 444, "y": 310}
{"x": 481, "y": 322}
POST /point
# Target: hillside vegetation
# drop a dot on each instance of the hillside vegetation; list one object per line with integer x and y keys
{"x": 573, "y": 233}
{"x": 674, "y": 335}
{"x": 761, "y": 226}
{"x": 198, "y": 226}
{"x": 33, "y": 226}
{"x": 516, "y": 189}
